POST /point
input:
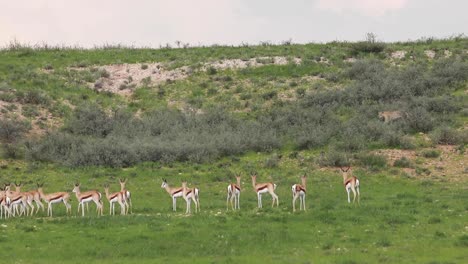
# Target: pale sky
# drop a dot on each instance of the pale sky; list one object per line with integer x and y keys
{"x": 155, "y": 22}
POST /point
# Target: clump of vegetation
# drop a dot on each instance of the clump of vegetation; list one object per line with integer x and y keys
{"x": 430, "y": 153}
{"x": 372, "y": 161}
{"x": 370, "y": 45}
{"x": 403, "y": 162}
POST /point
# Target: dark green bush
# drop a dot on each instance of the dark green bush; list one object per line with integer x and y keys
{"x": 367, "y": 47}
{"x": 333, "y": 158}
{"x": 372, "y": 160}
{"x": 403, "y": 163}
{"x": 447, "y": 136}
{"x": 12, "y": 130}
{"x": 430, "y": 153}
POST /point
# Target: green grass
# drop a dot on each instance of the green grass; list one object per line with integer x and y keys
{"x": 398, "y": 219}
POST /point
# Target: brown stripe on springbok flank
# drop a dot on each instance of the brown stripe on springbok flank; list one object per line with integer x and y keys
{"x": 177, "y": 191}
{"x": 56, "y": 197}
{"x": 237, "y": 187}
{"x": 85, "y": 197}
{"x": 16, "y": 199}
{"x": 189, "y": 191}
{"x": 262, "y": 187}
{"x": 113, "y": 196}
{"x": 300, "y": 188}
{"x": 348, "y": 181}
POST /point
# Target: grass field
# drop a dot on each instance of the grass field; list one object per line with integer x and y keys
{"x": 280, "y": 120}
{"x": 400, "y": 220}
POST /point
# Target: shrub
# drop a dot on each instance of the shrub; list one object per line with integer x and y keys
{"x": 419, "y": 120}
{"x": 33, "y": 97}
{"x": 89, "y": 119}
{"x": 447, "y": 136}
{"x": 269, "y": 95}
{"x": 333, "y": 158}
{"x": 12, "y": 130}
{"x": 372, "y": 160}
{"x": 432, "y": 153}
{"x": 272, "y": 161}
{"x": 403, "y": 162}
{"x": 212, "y": 71}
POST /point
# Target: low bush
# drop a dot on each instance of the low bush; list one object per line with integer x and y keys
{"x": 403, "y": 162}
{"x": 431, "y": 153}
{"x": 372, "y": 160}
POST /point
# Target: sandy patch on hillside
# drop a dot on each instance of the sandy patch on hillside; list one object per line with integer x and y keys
{"x": 430, "y": 54}
{"x": 399, "y": 54}
{"x": 447, "y": 53}
{"x": 449, "y": 166}
{"x": 124, "y": 78}
{"x": 253, "y": 62}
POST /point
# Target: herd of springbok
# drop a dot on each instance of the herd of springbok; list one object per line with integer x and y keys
{"x": 18, "y": 203}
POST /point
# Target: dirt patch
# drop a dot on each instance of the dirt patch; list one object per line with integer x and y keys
{"x": 399, "y": 54}
{"x": 430, "y": 54}
{"x": 449, "y": 166}
{"x": 253, "y": 62}
{"x": 447, "y": 53}
{"x": 350, "y": 60}
{"x": 125, "y": 78}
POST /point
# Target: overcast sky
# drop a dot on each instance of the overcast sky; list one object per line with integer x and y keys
{"x": 154, "y": 22}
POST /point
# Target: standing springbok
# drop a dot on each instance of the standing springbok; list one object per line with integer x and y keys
{"x": 117, "y": 197}
{"x": 52, "y": 198}
{"x": 190, "y": 194}
{"x": 32, "y": 196}
{"x": 233, "y": 193}
{"x": 4, "y": 208}
{"x": 299, "y": 191}
{"x": 173, "y": 192}
{"x": 263, "y": 188}
{"x": 15, "y": 200}
{"x": 87, "y": 197}
{"x": 351, "y": 183}
{"x": 128, "y": 198}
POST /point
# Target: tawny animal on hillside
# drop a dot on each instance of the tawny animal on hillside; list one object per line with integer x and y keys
{"x": 299, "y": 191}
{"x": 351, "y": 183}
{"x": 233, "y": 194}
{"x": 388, "y": 116}
{"x": 173, "y": 192}
{"x": 128, "y": 195}
{"x": 189, "y": 195}
{"x": 261, "y": 188}
{"x": 113, "y": 198}
{"x": 52, "y": 198}
{"x": 86, "y": 197}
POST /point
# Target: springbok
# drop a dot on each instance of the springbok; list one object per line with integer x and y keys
{"x": 15, "y": 200}
{"x": 173, "y": 192}
{"x": 190, "y": 194}
{"x": 117, "y": 197}
{"x": 299, "y": 191}
{"x": 351, "y": 183}
{"x": 4, "y": 202}
{"x": 52, "y": 198}
{"x": 87, "y": 197}
{"x": 233, "y": 193}
{"x": 128, "y": 198}
{"x": 31, "y": 196}
{"x": 263, "y": 188}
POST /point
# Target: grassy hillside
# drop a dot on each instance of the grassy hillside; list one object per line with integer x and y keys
{"x": 202, "y": 114}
